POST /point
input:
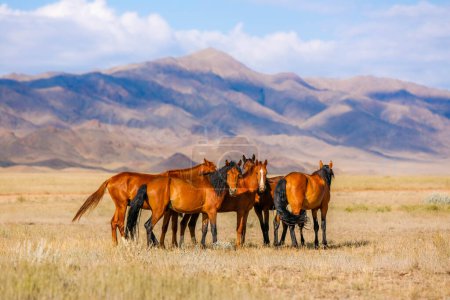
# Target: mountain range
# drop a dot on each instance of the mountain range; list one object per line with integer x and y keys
{"x": 151, "y": 116}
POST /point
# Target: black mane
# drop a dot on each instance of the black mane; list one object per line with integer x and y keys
{"x": 326, "y": 173}
{"x": 218, "y": 179}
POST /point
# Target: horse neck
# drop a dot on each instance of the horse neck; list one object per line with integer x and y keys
{"x": 322, "y": 175}
{"x": 249, "y": 182}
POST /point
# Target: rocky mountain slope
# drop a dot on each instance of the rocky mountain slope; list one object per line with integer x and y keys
{"x": 137, "y": 116}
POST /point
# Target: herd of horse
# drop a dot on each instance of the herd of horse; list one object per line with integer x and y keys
{"x": 204, "y": 189}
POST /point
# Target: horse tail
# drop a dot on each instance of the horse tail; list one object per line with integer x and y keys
{"x": 280, "y": 201}
{"x": 135, "y": 208}
{"x": 92, "y": 201}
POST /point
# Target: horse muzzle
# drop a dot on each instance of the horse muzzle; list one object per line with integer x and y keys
{"x": 232, "y": 191}
{"x": 262, "y": 189}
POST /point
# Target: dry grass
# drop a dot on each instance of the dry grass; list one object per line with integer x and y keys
{"x": 385, "y": 242}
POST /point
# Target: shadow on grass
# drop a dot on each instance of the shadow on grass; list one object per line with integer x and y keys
{"x": 331, "y": 246}
{"x": 349, "y": 244}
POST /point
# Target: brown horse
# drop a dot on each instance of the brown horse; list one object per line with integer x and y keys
{"x": 190, "y": 219}
{"x": 303, "y": 192}
{"x": 123, "y": 187}
{"x": 264, "y": 201}
{"x": 263, "y": 205}
{"x": 251, "y": 182}
{"x": 203, "y": 194}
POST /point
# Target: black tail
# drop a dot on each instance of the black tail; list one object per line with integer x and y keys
{"x": 135, "y": 209}
{"x": 280, "y": 200}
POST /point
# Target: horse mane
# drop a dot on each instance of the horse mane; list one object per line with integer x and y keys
{"x": 218, "y": 179}
{"x": 326, "y": 173}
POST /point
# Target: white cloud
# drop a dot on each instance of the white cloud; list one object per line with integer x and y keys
{"x": 405, "y": 41}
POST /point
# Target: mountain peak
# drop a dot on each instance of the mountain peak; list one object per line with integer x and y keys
{"x": 217, "y": 62}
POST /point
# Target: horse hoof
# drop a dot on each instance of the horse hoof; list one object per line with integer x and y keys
{"x": 316, "y": 247}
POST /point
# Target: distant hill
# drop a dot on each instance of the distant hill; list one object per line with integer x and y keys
{"x": 176, "y": 161}
{"x": 136, "y": 117}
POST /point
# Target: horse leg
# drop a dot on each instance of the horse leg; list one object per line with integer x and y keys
{"x": 239, "y": 227}
{"x": 192, "y": 223}
{"x": 174, "y": 228}
{"x": 276, "y": 225}
{"x": 323, "y": 215}
{"x": 122, "y": 210}
{"x": 316, "y": 229}
{"x": 244, "y": 229}
{"x": 258, "y": 212}
{"x": 205, "y": 222}
{"x": 213, "y": 218}
{"x": 114, "y": 221}
{"x": 293, "y": 238}
{"x": 266, "y": 227}
{"x": 165, "y": 226}
{"x": 302, "y": 239}
{"x": 183, "y": 224}
{"x": 150, "y": 224}
{"x": 283, "y": 233}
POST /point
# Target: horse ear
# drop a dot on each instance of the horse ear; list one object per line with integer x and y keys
{"x": 265, "y": 162}
{"x": 239, "y": 163}
{"x": 205, "y": 161}
{"x": 226, "y": 162}
{"x": 331, "y": 164}
{"x": 253, "y": 157}
{"x": 243, "y": 158}
{"x": 256, "y": 163}
{"x": 320, "y": 164}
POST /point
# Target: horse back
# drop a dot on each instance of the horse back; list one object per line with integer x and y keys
{"x": 309, "y": 190}
{"x": 126, "y": 184}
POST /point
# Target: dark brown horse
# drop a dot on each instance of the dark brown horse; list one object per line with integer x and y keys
{"x": 264, "y": 204}
{"x": 123, "y": 187}
{"x": 303, "y": 192}
{"x": 203, "y": 194}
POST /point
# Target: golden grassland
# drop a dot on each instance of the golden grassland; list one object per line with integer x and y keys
{"x": 385, "y": 242}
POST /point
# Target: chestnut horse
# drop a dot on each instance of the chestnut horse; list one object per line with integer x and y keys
{"x": 203, "y": 194}
{"x": 303, "y": 192}
{"x": 264, "y": 201}
{"x": 190, "y": 219}
{"x": 251, "y": 182}
{"x": 123, "y": 187}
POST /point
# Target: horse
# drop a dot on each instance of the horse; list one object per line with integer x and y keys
{"x": 263, "y": 200}
{"x": 203, "y": 194}
{"x": 251, "y": 182}
{"x": 190, "y": 219}
{"x": 303, "y": 192}
{"x": 123, "y": 187}
{"x": 263, "y": 204}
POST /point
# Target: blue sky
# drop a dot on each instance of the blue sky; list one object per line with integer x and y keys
{"x": 407, "y": 40}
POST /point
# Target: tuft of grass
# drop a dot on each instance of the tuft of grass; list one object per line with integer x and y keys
{"x": 438, "y": 198}
{"x": 422, "y": 207}
{"x": 21, "y": 199}
{"x": 357, "y": 207}
{"x": 384, "y": 208}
